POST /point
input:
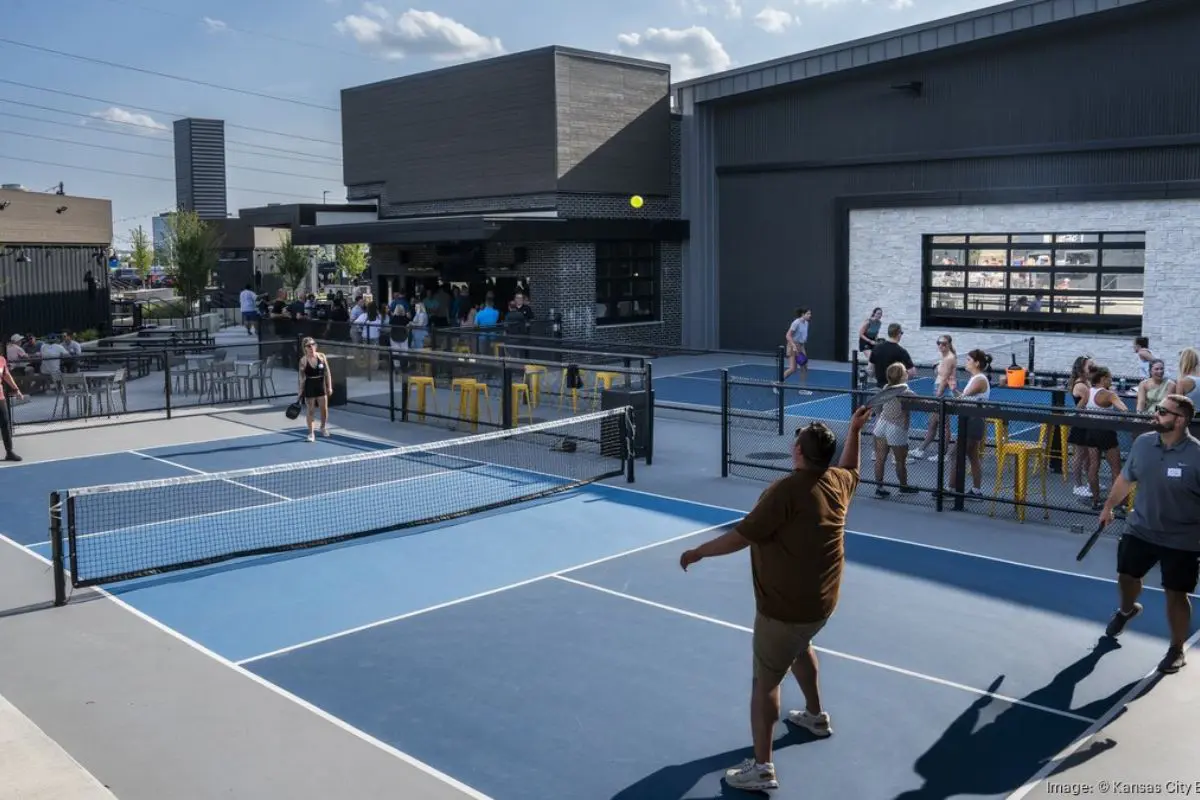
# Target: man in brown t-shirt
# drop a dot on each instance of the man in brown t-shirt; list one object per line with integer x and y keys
{"x": 796, "y": 538}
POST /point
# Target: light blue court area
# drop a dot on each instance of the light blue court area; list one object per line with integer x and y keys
{"x": 702, "y": 388}
{"x": 554, "y": 648}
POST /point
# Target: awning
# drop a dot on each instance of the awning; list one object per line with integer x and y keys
{"x": 429, "y": 230}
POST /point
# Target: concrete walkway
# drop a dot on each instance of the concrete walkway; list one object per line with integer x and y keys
{"x": 34, "y": 767}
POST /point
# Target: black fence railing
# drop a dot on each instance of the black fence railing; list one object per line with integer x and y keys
{"x": 134, "y": 380}
{"x": 469, "y": 392}
{"x": 1020, "y": 460}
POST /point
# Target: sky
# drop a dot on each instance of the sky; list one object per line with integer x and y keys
{"x": 274, "y": 69}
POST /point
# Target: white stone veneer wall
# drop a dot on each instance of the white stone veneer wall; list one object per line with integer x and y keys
{"x": 885, "y": 270}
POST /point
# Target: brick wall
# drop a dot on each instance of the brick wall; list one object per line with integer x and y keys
{"x": 885, "y": 270}
{"x": 562, "y": 275}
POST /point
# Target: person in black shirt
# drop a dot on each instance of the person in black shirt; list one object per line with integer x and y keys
{"x": 884, "y": 354}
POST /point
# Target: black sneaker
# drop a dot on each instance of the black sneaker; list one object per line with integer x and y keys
{"x": 882, "y": 493}
{"x": 1120, "y": 620}
{"x": 909, "y": 490}
{"x": 11, "y": 457}
{"x": 1172, "y": 662}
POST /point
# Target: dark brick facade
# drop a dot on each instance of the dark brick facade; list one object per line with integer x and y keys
{"x": 562, "y": 275}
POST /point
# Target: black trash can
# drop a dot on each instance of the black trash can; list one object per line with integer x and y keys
{"x": 338, "y": 365}
{"x": 643, "y": 416}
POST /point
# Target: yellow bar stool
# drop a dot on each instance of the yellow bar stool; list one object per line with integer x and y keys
{"x": 605, "y": 378}
{"x": 424, "y": 383}
{"x": 533, "y": 376}
{"x": 1023, "y": 454}
{"x": 460, "y": 387}
{"x": 520, "y": 390}
{"x": 562, "y": 391}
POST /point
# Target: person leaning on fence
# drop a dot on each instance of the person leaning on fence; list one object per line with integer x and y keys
{"x": 316, "y": 385}
{"x": 977, "y": 390}
{"x": 796, "y": 535}
{"x": 891, "y": 433}
{"x": 7, "y": 384}
{"x": 1164, "y": 527}
{"x": 1101, "y": 399}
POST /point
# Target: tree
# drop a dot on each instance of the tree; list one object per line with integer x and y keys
{"x": 352, "y": 259}
{"x": 142, "y": 257}
{"x": 292, "y": 262}
{"x": 190, "y": 254}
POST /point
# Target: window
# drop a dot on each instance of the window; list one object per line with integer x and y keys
{"x": 1064, "y": 282}
{"x": 627, "y": 276}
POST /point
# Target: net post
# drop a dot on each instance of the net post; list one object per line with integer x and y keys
{"x": 725, "y": 423}
{"x": 1032, "y": 353}
{"x": 780, "y": 368}
{"x": 854, "y": 364}
{"x": 166, "y": 364}
{"x": 56, "y": 549}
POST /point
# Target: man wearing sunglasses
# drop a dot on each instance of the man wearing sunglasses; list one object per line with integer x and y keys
{"x": 1164, "y": 527}
{"x": 796, "y": 538}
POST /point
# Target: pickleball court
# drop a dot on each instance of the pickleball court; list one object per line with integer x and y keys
{"x": 553, "y": 648}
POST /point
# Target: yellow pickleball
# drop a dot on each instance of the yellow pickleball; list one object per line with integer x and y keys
{"x": 636, "y": 201}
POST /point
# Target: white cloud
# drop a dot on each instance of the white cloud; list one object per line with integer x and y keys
{"x": 730, "y": 9}
{"x": 897, "y": 5}
{"x": 214, "y": 25}
{"x": 773, "y": 20}
{"x": 128, "y": 120}
{"x": 691, "y": 52}
{"x": 416, "y": 33}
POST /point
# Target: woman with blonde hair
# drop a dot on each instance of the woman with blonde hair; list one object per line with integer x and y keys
{"x": 945, "y": 383}
{"x": 1188, "y": 382}
{"x": 316, "y": 385}
{"x": 1157, "y": 386}
{"x": 891, "y": 432}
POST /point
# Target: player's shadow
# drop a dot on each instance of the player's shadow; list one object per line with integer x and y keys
{"x": 999, "y": 755}
{"x": 675, "y": 781}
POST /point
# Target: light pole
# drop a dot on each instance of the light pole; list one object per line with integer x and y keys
{"x": 323, "y": 195}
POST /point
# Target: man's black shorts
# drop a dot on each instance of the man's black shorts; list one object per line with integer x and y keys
{"x": 1180, "y": 568}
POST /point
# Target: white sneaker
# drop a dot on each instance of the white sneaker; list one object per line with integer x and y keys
{"x": 311, "y": 438}
{"x": 916, "y": 454}
{"x": 751, "y": 776}
{"x": 1083, "y": 491}
{"x": 816, "y": 724}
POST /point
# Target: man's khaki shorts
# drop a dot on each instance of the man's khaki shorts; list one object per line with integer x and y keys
{"x": 777, "y": 644}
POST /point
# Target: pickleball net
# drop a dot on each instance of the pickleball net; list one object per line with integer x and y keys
{"x": 119, "y": 532}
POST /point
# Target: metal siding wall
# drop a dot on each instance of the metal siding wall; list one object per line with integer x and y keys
{"x": 779, "y": 235}
{"x": 47, "y": 294}
{"x": 1087, "y": 83}
{"x": 698, "y": 186}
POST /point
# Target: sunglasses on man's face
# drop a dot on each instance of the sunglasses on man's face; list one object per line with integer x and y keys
{"x": 1160, "y": 411}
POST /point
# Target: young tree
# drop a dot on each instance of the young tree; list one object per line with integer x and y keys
{"x": 352, "y": 259}
{"x": 190, "y": 254}
{"x": 292, "y": 262}
{"x": 142, "y": 257}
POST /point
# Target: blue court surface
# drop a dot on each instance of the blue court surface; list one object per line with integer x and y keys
{"x": 555, "y": 649}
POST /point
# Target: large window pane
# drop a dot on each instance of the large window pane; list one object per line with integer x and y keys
{"x": 1032, "y": 238}
{"x": 951, "y": 301}
{"x": 946, "y": 257}
{"x": 987, "y": 258}
{"x": 1072, "y": 238}
{"x": 989, "y": 238}
{"x": 986, "y": 280}
{"x": 1030, "y": 281}
{"x": 1123, "y": 258}
{"x": 1123, "y": 306}
{"x": 1075, "y": 281}
{"x": 1076, "y": 258}
{"x": 986, "y": 302}
{"x": 1075, "y": 304}
{"x": 948, "y": 279}
{"x": 948, "y": 239}
{"x": 627, "y": 281}
{"x": 1031, "y": 258}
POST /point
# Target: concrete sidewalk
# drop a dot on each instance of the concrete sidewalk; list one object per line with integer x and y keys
{"x": 34, "y": 767}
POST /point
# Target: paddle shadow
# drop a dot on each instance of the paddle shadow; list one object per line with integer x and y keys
{"x": 998, "y": 756}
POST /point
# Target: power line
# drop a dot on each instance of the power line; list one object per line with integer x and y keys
{"x": 250, "y": 32}
{"x": 145, "y": 177}
{"x": 160, "y": 111}
{"x": 168, "y": 76}
{"x": 329, "y": 159}
{"x": 160, "y": 155}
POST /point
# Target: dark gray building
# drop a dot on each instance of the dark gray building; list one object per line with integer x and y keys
{"x": 1032, "y": 168}
{"x": 519, "y": 171}
{"x": 200, "y": 167}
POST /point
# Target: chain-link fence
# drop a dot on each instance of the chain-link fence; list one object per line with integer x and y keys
{"x": 469, "y": 392}
{"x": 1020, "y": 461}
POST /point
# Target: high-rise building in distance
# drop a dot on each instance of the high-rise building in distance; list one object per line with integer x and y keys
{"x": 200, "y": 167}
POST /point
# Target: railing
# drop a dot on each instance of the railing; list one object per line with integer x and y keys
{"x": 1033, "y": 459}
{"x": 465, "y": 392}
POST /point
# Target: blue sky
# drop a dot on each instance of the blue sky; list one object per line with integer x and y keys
{"x": 308, "y": 50}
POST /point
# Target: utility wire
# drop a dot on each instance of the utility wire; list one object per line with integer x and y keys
{"x": 144, "y": 177}
{"x": 330, "y": 159}
{"x": 157, "y": 74}
{"x": 161, "y": 155}
{"x": 160, "y": 111}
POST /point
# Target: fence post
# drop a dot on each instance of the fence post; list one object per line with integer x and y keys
{"x": 166, "y": 363}
{"x": 648, "y": 425}
{"x": 391, "y": 383}
{"x": 1032, "y": 354}
{"x": 780, "y": 368}
{"x": 943, "y": 434}
{"x": 960, "y": 462}
{"x": 507, "y": 409}
{"x": 56, "y": 549}
{"x": 725, "y": 423}
{"x": 629, "y": 445}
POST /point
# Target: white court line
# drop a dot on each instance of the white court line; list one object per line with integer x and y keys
{"x": 210, "y": 514}
{"x": 479, "y": 595}
{"x": 247, "y": 435}
{"x": 834, "y": 653}
{"x": 788, "y": 408}
{"x": 263, "y": 682}
{"x": 714, "y": 369}
{"x": 1105, "y": 719}
{"x": 202, "y": 472}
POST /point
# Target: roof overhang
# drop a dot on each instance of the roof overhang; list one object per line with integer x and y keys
{"x": 429, "y": 230}
{"x": 297, "y": 215}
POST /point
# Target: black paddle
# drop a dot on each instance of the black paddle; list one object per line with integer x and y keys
{"x": 886, "y": 394}
{"x": 1087, "y": 546}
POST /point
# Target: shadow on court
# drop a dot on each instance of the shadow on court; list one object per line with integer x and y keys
{"x": 984, "y": 757}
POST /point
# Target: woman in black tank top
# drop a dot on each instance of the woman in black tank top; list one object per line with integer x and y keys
{"x": 316, "y": 385}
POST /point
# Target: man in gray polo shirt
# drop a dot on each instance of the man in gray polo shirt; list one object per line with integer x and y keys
{"x": 1164, "y": 527}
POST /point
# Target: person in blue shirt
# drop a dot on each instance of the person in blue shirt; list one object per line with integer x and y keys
{"x": 487, "y": 316}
